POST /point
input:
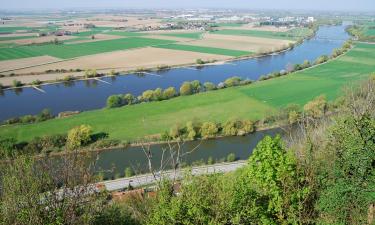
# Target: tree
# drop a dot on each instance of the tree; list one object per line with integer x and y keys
{"x": 128, "y": 172}
{"x": 274, "y": 175}
{"x": 196, "y": 86}
{"x": 247, "y": 126}
{"x": 231, "y": 157}
{"x": 114, "y": 101}
{"x": 317, "y": 107}
{"x": 157, "y": 95}
{"x": 147, "y": 95}
{"x": 208, "y": 86}
{"x": 90, "y": 73}
{"x": 17, "y": 83}
{"x": 232, "y": 81}
{"x": 129, "y": 99}
{"x": 169, "y": 93}
{"x": 293, "y": 117}
{"x": 191, "y": 133}
{"x": 209, "y": 130}
{"x": 78, "y": 137}
{"x": 230, "y": 128}
{"x": 186, "y": 88}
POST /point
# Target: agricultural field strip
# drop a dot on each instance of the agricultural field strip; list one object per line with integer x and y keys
{"x": 254, "y": 101}
{"x": 288, "y": 35}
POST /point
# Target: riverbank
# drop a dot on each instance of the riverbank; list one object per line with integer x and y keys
{"x": 252, "y": 102}
{"x": 53, "y": 78}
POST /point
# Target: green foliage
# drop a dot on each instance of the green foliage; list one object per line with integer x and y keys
{"x": 128, "y": 172}
{"x": 317, "y": 107}
{"x": 90, "y": 73}
{"x": 231, "y": 157}
{"x": 190, "y": 130}
{"x": 78, "y": 137}
{"x": 186, "y": 89}
{"x": 169, "y": 93}
{"x": 208, "y": 86}
{"x": 114, "y": 101}
{"x": 209, "y": 130}
{"x": 233, "y": 81}
{"x": 230, "y": 128}
{"x": 17, "y": 83}
{"x": 115, "y": 215}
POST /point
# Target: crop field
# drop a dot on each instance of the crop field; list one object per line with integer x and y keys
{"x": 209, "y": 50}
{"x": 125, "y": 33}
{"x": 289, "y": 35}
{"x": 76, "y": 50}
{"x": 16, "y": 38}
{"x": 12, "y": 29}
{"x": 254, "y": 101}
{"x": 194, "y": 35}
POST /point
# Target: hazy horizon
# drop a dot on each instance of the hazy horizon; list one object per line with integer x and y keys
{"x": 317, "y": 5}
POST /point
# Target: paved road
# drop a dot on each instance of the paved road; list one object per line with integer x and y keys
{"x": 147, "y": 179}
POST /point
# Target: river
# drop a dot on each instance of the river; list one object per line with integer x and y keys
{"x": 92, "y": 94}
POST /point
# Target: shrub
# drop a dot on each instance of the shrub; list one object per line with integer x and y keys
{"x": 231, "y": 157}
{"x": 28, "y": 119}
{"x": 190, "y": 130}
{"x": 114, "y": 101}
{"x": 208, "y": 86}
{"x": 175, "y": 131}
{"x": 128, "y": 172}
{"x": 12, "y": 120}
{"x": 210, "y": 160}
{"x": 186, "y": 88}
{"x": 147, "y": 95}
{"x": 232, "y": 81}
{"x": 200, "y": 62}
{"x": 209, "y": 130}
{"x": 44, "y": 115}
{"x": 90, "y": 73}
{"x": 157, "y": 94}
{"x": 113, "y": 73}
{"x": 129, "y": 99}
{"x": 36, "y": 82}
{"x": 17, "y": 83}
{"x": 68, "y": 78}
{"x": 321, "y": 59}
{"x": 169, "y": 93}
{"x": 317, "y": 107}
{"x": 78, "y": 137}
{"x": 196, "y": 85}
{"x": 230, "y": 128}
{"x": 247, "y": 126}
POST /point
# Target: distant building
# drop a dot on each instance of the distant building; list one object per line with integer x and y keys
{"x": 310, "y": 19}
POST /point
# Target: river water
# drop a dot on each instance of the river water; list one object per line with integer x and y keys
{"x": 88, "y": 95}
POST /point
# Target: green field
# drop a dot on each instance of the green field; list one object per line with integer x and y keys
{"x": 12, "y": 29}
{"x": 229, "y": 24}
{"x": 289, "y": 35}
{"x": 81, "y": 49}
{"x": 126, "y": 33}
{"x": 254, "y": 101}
{"x": 370, "y": 32}
{"x": 16, "y": 38}
{"x": 193, "y": 35}
{"x": 218, "y": 51}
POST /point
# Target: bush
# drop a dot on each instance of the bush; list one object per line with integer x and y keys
{"x": 209, "y": 130}
{"x": 230, "y": 128}
{"x": 36, "y": 82}
{"x": 44, "y": 115}
{"x": 17, "y": 83}
{"x": 13, "y": 120}
{"x": 147, "y": 95}
{"x": 128, "y": 172}
{"x": 233, "y": 81}
{"x": 90, "y": 73}
{"x": 1, "y": 86}
{"x": 208, "y": 86}
{"x": 190, "y": 130}
{"x": 28, "y": 119}
{"x": 186, "y": 88}
{"x": 129, "y": 99}
{"x": 78, "y": 137}
{"x": 169, "y": 93}
{"x": 321, "y": 59}
{"x": 200, "y": 62}
{"x": 68, "y": 78}
{"x": 114, "y": 101}
{"x": 196, "y": 85}
{"x": 231, "y": 157}
{"x": 317, "y": 107}
{"x": 247, "y": 126}
{"x": 157, "y": 94}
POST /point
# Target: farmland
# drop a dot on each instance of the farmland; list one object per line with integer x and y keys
{"x": 76, "y": 50}
{"x": 254, "y": 102}
{"x": 289, "y": 35}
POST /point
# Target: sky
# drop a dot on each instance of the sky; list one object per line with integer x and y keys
{"x": 339, "y": 5}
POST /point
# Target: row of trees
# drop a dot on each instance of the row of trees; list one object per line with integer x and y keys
{"x": 207, "y": 130}
{"x": 44, "y": 115}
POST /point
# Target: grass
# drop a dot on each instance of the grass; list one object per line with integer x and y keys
{"x": 12, "y": 29}
{"x": 229, "y": 24}
{"x": 81, "y": 49}
{"x": 16, "y": 38}
{"x": 289, "y": 35}
{"x": 193, "y": 35}
{"x": 254, "y": 101}
{"x": 217, "y": 51}
{"x": 126, "y": 33}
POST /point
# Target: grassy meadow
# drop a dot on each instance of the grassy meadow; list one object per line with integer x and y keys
{"x": 253, "y": 101}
